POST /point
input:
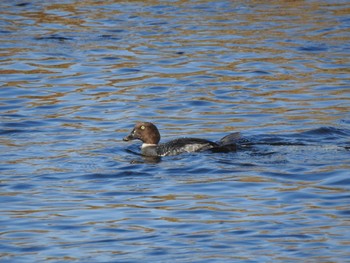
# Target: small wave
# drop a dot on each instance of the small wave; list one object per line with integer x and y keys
{"x": 316, "y": 137}
{"x": 327, "y": 131}
{"x": 54, "y": 37}
{"x": 129, "y": 173}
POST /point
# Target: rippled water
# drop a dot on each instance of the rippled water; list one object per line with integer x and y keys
{"x": 76, "y": 75}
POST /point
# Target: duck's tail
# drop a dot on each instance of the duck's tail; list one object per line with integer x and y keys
{"x": 231, "y": 138}
{"x": 228, "y": 143}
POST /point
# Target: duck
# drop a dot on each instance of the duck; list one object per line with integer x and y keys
{"x": 149, "y": 135}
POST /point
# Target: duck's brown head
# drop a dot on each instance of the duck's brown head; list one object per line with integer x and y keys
{"x": 147, "y": 132}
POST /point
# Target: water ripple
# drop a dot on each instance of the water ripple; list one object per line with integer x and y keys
{"x": 75, "y": 77}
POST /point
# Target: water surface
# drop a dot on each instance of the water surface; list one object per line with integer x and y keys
{"x": 76, "y": 75}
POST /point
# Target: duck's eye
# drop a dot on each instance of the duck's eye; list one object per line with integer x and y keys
{"x": 142, "y": 127}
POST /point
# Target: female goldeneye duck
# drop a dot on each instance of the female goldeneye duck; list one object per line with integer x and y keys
{"x": 148, "y": 133}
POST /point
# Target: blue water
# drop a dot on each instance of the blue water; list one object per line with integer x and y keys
{"x": 75, "y": 76}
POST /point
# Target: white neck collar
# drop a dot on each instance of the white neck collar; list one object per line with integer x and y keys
{"x": 144, "y": 145}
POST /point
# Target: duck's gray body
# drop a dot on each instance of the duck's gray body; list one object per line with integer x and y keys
{"x": 177, "y": 146}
